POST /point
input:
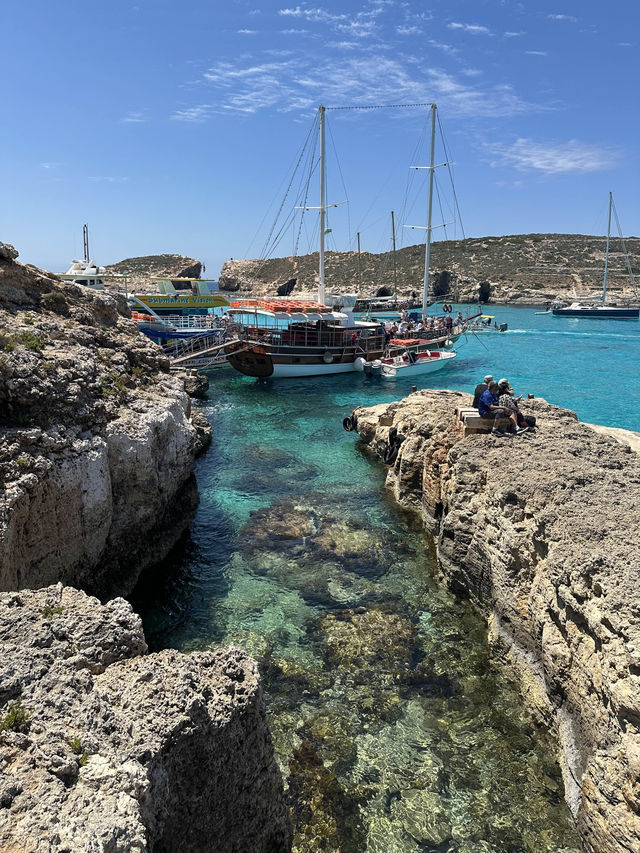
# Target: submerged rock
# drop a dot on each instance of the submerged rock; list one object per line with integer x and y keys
{"x": 103, "y": 746}
{"x": 541, "y": 531}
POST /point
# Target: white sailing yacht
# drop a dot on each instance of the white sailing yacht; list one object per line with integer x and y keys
{"x": 589, "y": 308}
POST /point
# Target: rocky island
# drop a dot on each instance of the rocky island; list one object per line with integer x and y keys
{"x": 524, "y": 269}
{"x": 103, "y": 746}
{"x": 544, "y": 540}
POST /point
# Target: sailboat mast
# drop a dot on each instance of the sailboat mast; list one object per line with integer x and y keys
{"x": 427, "y": 253}
{"x": 85, "y": 240}
{"x": 322, "y": 206}
{"x": 393, "y": 242}
{"x": 606, "y": 256}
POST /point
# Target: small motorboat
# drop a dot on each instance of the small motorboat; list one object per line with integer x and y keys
{"x": 408, "y": 363}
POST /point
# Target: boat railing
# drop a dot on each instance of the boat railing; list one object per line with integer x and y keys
{"x": 192, "y": 321}
{"x": 195, "y": 345}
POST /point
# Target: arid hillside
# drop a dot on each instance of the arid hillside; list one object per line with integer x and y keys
{"x": 525, "y": 268}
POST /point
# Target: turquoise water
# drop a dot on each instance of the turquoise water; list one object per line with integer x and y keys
{"x": 393, "y": 728}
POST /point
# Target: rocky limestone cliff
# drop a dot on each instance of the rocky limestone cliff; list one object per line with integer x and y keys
{"x": 96, "y": 448}
{"x": 104, "y": 747}
{"x": 542, "y": 531}
{"x": 139, "y": 270}
{"x": 521, "y": 268}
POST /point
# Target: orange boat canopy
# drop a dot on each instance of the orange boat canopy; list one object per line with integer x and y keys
{"x": 289, "y": 306}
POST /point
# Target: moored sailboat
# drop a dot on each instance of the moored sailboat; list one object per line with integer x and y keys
{"x": 288, "y": 338}
{"x": 589, "y": 307}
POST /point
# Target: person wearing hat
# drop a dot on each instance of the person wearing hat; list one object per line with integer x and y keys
{"x": 480, "y": 389}
{"x": 488, "y": 407}
{"x": 508, "y": 402}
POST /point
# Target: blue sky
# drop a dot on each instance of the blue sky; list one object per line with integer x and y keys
{"x": 173, "y": 127}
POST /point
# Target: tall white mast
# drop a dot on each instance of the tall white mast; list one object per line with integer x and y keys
{"x": 606, "y": 256}
{"x": 427, "y": 253}
{"x": 322, "y": 206}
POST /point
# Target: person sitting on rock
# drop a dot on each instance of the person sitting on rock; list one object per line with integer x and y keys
{"x": 488, "y": 407}
{"x": 508, "y": 401}
{"x": 480, "y": 389}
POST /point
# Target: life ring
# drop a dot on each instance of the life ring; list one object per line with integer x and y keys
{"x": 348, "y": 424}
{"x": 447, "y": 308}
{"x": 327, "y": 357}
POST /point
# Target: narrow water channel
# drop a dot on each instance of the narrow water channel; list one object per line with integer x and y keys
{"x": 393, "y": 729}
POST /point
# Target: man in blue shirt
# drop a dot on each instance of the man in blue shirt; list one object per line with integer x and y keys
{"x": 488, "y": 408}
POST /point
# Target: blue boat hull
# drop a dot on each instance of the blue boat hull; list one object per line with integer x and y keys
{"x": 603, "y": 313}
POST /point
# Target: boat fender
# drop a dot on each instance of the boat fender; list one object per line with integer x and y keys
{"x": 448, "y": 342}
{"x": 350, "y": 423}
{"x": 327, "y": 357}
{"x": 390, "y": 454}
{"x": 359, "y": 363}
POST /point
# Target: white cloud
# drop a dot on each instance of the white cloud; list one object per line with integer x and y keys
{"x": 406, "y": 30}
{"x": 553, "y": 158}
{"x": 510, "y": 35}
{"x": 108, "y": 179}
{"x": 472, "y": 29}
{"x": 361, "y": 25}
{"x": 358, "y": 78}
{"x": 133, "y": 117}
{"x": 193, "y": 115}
{"x": 536, "y": 53}
{"x": 569, "y": 18}
{"x": 445, "y": 48}
{"x": 247, "y": 32}
{"x": 50, "y": 165}
{"x": 294, "y": 32}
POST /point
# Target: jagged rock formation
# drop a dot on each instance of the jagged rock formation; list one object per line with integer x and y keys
{"x": 139, "y": 270}
{"x": 522, "y": 268}
{"x": 103, "y": 747}
{"x": 96, "y": 449}
{"x": 542, "y": 532}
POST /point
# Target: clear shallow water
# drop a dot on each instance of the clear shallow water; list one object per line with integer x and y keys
{"x": 393, "y": 730}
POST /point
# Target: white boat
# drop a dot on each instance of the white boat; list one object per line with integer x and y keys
{"x": 407, "y": 364}
{"x": 590, "y": 307}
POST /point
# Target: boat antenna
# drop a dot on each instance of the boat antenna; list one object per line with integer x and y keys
{"x": 606, "y": 256}
{"x": 427, "y": 253}
{"x": 85, "y": 240}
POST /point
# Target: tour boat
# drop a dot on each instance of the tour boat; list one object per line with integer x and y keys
{"x": 407, "y": 364}
{"x": 289, "y": 338}
{"x": 181, "y": 296}
{"x": 590, "y": 307}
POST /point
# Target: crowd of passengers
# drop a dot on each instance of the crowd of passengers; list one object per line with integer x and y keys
{"x": 432, "y": 325}
{"x": 497, "y": 400}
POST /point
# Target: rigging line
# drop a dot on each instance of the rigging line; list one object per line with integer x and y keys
{"x": 379, "y": 106}
{"x": 302, "y": 152}
{"x": 624, "y": 246}
{"x": 450, "y": 170}
{"x": 313, "y": 164}
{"x": 344, "y": 186}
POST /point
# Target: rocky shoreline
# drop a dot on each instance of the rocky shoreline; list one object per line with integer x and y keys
{"x": 101, "y": 745}
{"x": 105, "y": 747}
{"x": 541, "y": 534}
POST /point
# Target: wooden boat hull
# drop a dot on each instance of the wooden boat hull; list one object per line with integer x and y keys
{"x": 263, "y": 361}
